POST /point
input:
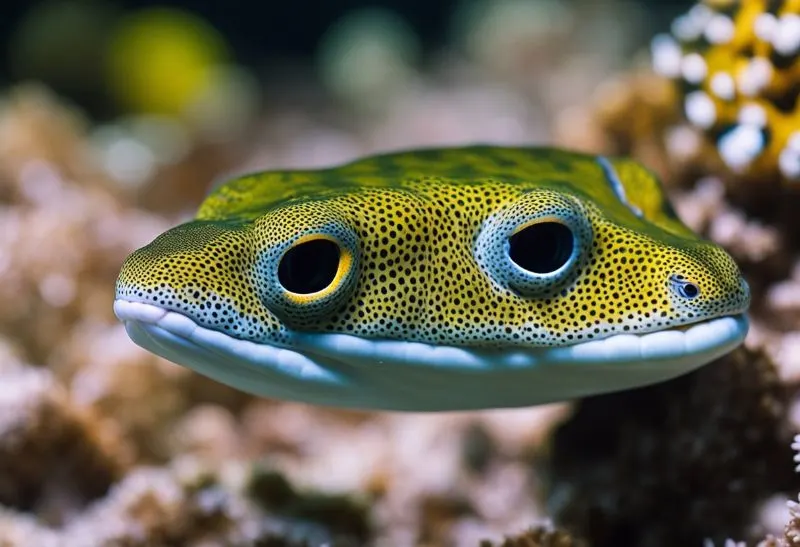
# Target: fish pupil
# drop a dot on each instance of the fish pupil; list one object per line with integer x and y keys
{"x": 309, "y": 267}
{"x": 542, "y": 248}
{"x": 690, "y": 290}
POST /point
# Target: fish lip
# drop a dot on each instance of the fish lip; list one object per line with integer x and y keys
{"x": 348, "y": 371}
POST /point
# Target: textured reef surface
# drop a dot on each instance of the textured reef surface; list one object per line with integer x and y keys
{"x": 104, "y": 444}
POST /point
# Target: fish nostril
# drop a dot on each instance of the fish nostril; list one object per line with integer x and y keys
{"x": 683, "y": 287}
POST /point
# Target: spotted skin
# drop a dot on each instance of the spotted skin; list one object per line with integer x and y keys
{"x": 424, "y": 232}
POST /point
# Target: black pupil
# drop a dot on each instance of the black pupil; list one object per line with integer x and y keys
{"x": 542, "y": 248}
{"x": 690, "y": 290}
{"x": 309, "y": 267}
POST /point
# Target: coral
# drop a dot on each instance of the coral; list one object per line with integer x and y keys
{"x": 21, "y": 530}
{"x": 63, "y": 231}
{"x": 189, "y": 504}
{"x": 792, "y": 531}
{"x": 627, "y": 115}
{"x": 153, "y": 507}
{"x": 538, "y": 537}
{"x": 209, "y": 432}
{"x": 438, "y": 514}
{"x": 736, "y": 66}
{"x": 10, "y": 357}
{"x": 343, "y": 516}
{"x": 700, "y": 450}
{"x": 478, "y": 448}
{"x": 147, "y": 398}
{"x": 116, "y": 379}
{"x": 34, "y": 125}
{"x": 783, "y": 299}
{"x": 53, "y": 457}
{"x": 791, "y": 514}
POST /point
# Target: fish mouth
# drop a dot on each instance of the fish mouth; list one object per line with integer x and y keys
{"x": 349, "y": 371}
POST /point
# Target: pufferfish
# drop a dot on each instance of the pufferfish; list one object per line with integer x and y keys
{"x": 437, "y": 279}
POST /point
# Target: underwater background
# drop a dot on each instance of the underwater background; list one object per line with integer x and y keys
{"x": 117, "y": 118}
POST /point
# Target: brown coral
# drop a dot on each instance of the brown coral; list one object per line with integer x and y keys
{"x": 64, "y": 227}
{"x": 700, "y": 450}
{"x": 626, "y": 116}
{"x": 343, "y": 516}
{"x": 153, "y": 507}
{"x": 145, "y": 396}
{"x": 53, "y": 457}
{"x": 538, "y": 537}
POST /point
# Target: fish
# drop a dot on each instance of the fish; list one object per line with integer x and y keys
{"x": 437, "y": 279}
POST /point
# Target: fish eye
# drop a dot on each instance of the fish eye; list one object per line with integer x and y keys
{"x": 684, "y": 287}
{"x": 537, "y": 245}
{"x": 311, "y": 274}
{"x": 689, "y": 290}
{"x": 542, "y": 247}
{"x": 309, "y": 267}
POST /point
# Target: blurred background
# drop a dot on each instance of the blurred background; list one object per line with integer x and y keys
{"x": 283, "y": 84}
{"x": 117, "y": 117}
{"x": 65, "y": 43}
{"x": 205, "y": 71}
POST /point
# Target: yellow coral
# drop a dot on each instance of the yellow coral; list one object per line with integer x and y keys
{"x": 737, "y": 65}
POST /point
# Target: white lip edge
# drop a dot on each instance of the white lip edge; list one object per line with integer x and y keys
{"x": 668, "y": 346}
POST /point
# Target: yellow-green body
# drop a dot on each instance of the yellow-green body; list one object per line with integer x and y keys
{"x": 423, "y": 241}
